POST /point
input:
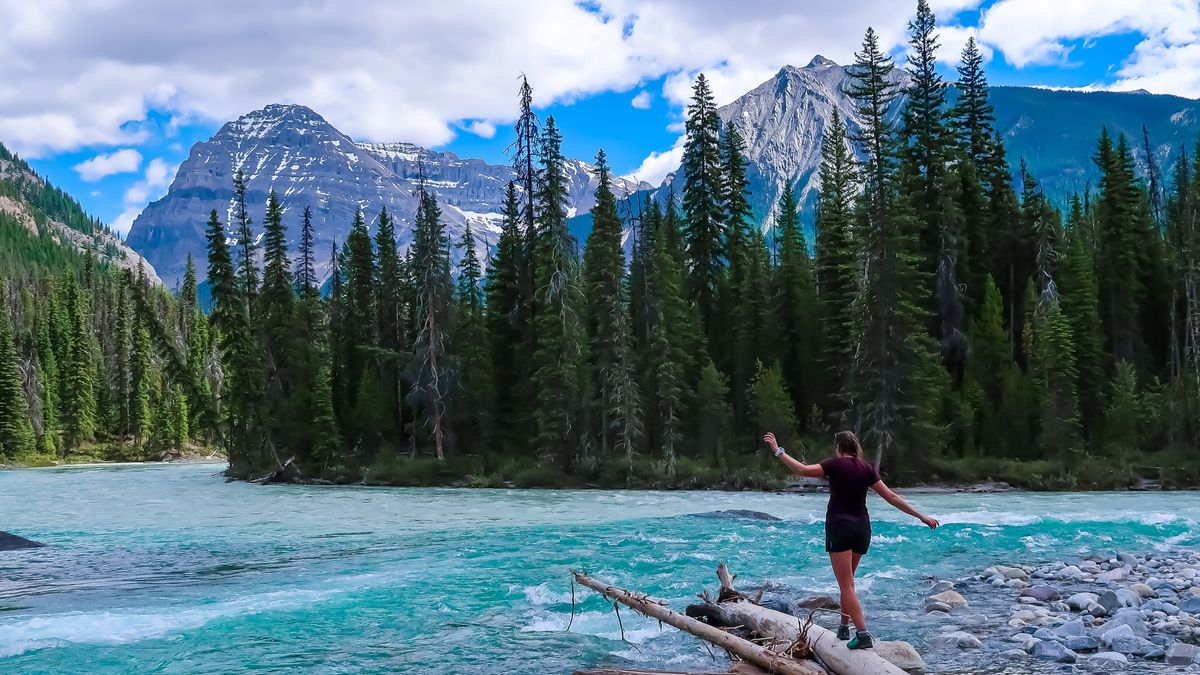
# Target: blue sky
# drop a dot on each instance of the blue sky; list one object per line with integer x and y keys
{"x": 107, "y": 101}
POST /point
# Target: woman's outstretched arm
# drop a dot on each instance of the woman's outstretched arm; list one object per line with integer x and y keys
{"x": 897, "y": 501}
{"x": 795, "y": 466}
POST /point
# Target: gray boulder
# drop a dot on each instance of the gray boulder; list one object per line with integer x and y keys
{"x": 1182, "y": 654}
{"x": 1190, "y": 605}
{"x": 1053, "y": 651}
{"x": 1041, "y": 593}
{"x": 1070, "y": 628}
{"x": 1132, "y": 619}
{"x": 1080, "y": 601}
{"x": 952, "y": 598}
{"x": 1132, "y": 644}
{"x": 1160, "y": 606}
{"x": 1108, "y": 661}
{"x": 938, "y": 607}
{"x": 1082, "y": 643}
{"x": 961, "y": 640}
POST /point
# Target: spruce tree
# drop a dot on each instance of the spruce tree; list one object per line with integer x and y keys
{"x": 393, "y": 318}
{"x": 276, "y": 319}
{"x": 609, "y": 342}
{"x": 1081, "y": 305}
{"x": 714, "y": 417}
{"x": 772, "y": 405}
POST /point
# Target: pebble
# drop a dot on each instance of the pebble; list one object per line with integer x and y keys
{"x": 1041, "y": 593}
{"x": 941, "y": 607}
{"x": 961, "y": 640}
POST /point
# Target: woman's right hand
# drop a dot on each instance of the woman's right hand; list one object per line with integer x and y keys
{"x": 930, "y": 522}
{"x": 769, "y": 439}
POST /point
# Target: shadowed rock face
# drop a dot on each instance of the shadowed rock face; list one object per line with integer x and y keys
{"x": 11, "y": 542}
{"x": 308, "y": 162}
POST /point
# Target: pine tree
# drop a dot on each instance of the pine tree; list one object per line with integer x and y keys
{"x": 247, "y": 263}
{"x": 431, "y": 263}
{"x": 973, "y": 115}
{"x": 505, "y": 324}
{"x": 772, "y": 405}
{"x": 476, "y": 392}
{"x": 276, "y": 319}
{"x": 556, "y": 359}
{"x": 609, "y": 348}
{"x": 1053, "y": 366}
{"x": 393, "y": 318}
{"x": 714, "y": 418}
{"x": 141, "y": 386}
{"x": 742, "y": 305}
{"x": 702, "y": 207}
{"x": 79, "y": 382}
{"x": 358, "y": 326}
{"x": 16, "y": 435}
{"x": 893, "y": 356}
{"x": 327, "y": 441}
{"x": 306, "y": 276}
{"x": 1081, "y": 305}
{"x": 797, "y": 340}
{"x": 836, "y": 264}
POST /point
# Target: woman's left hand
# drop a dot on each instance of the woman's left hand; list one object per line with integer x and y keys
{"x": 930, "y": 522}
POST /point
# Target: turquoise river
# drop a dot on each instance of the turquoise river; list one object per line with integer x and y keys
{"x": 170, "y": 569}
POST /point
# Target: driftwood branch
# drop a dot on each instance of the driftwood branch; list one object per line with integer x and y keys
{"x": 763, "y": 657}
{"x": 735, "y": 609}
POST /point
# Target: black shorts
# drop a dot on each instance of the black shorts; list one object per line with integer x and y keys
{"x": 841, "y": 535}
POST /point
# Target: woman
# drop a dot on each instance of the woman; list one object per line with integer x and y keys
{"x": 847, "y": 523}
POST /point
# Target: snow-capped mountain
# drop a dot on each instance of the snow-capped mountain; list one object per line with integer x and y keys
{"x": 308, "y": 162}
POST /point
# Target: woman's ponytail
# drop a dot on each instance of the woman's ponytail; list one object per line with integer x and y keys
{"x": 848, "y": 445}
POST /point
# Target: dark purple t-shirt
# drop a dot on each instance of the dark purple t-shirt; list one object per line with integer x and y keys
{"x": 849, "y": 480}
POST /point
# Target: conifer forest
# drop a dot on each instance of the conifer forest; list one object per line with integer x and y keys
{"x": 966, "y": 325}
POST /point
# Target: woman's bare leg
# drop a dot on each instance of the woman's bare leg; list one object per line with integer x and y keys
{"x": 856, "y": 558}
{"x": 844, "y": 564}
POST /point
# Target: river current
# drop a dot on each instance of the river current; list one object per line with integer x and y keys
{"x": 169, "y": 568}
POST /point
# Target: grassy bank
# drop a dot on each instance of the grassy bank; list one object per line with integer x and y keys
{"x": 101, "y": 453}
{"x": 762, "y": 472}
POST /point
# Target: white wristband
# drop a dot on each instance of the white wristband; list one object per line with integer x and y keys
{"x": 779, "y": 451}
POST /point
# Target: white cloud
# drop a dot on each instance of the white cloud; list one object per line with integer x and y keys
{"x": 1035, "y": 31}
{"x": 657, "y": 165}
{"x": 74, "y": 74}
{"x": 100, "y": 166}
{"x": 153, "y": 184}
{"x": 482, "y": 129}
{"x": 641, "y": 101}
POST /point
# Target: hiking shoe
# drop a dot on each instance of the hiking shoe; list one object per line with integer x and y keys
{"x": 862, "y": 640}
{"x": 843, "y": 632}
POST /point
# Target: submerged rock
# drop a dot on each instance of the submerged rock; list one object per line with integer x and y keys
{"x": 961, "y": 640}
{"x": 1108, "y": 660}
{"x": 952, "y": 598}
{"x": 11, "y": 542}
{"x": 742, "y": 514}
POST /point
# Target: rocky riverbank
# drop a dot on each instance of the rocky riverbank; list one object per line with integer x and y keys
{"x": 1135, "y": 612}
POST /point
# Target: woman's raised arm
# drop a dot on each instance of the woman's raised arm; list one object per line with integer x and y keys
{"x": 795, "y": 466}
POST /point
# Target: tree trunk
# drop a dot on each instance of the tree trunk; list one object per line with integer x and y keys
{"x": 763, "y": 657}
{"x": 735, "y": 609}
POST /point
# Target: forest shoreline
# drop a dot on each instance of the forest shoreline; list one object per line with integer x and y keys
{"x": 981, "y": 486}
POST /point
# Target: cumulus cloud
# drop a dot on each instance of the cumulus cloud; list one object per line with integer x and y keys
{"x": 1034, "y": 31}
{"x": 641, "y": 101}
{"x": 657, "y": 165}
{"x": 78, "y": 74}
{"x": 100, "y": 166}
{"x": 153, "y": 184}
{"x": 482, "y": 129}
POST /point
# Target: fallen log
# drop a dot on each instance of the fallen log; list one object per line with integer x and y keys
{"x": 734, "y": 609}
{"x": 772, "y": 661}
